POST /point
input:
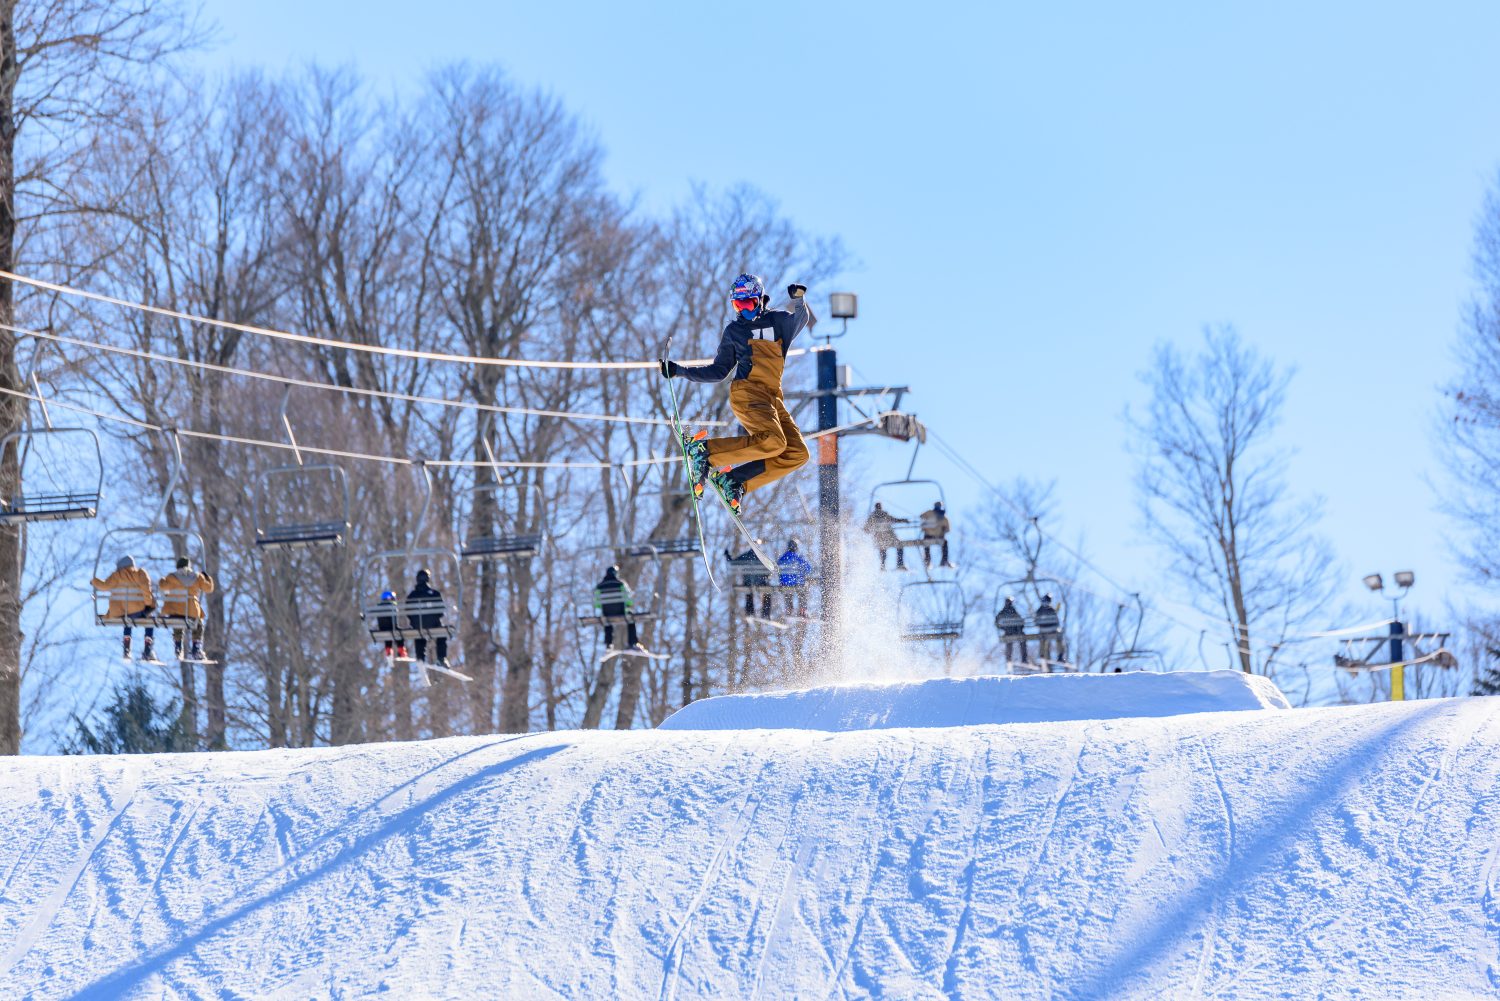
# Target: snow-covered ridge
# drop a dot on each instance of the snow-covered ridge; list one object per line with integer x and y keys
{"x": 985, "y": 699}
{"x": 1297, "y": 854}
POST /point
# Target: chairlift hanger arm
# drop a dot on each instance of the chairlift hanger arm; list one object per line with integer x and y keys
{"x": 848, "y": 393}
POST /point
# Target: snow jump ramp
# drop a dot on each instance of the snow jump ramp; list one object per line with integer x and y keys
{"x": 852, "y": 845}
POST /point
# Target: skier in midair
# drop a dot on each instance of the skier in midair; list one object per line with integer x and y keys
{"x": 753, "y": 349}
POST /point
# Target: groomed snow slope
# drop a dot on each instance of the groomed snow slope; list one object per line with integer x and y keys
{"x": 1298, "y": 853}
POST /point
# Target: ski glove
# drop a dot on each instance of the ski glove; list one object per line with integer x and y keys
{"x": 668, "y": 368}
{"x": 796, "y": 290}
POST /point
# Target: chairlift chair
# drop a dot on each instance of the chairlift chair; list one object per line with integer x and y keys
{"x": 930, "y": 610}
{"x": 74, "y": 496}
{"x": 302, "y": 506}
{"x": 662, "y": 546}
{"x": 77, "y": 498}
{"x": 191, "y": 543}
{"x": 405, "y": 618}
{"x": 688, "y": 546}
{"x": 1132, "y": 658}
{"x": 1028, "y": 593}
{"x": 586, "y": 566}
{"x": 630, "y": 559}
{"x": 489, "y": 542}
{"x": 751, "y": 579}
{"x": 905, "y": 501}
{"x": 316, "y": 488}
{"x": 186, "y": 540}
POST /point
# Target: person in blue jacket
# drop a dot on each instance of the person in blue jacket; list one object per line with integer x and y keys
{"x": 794, "y": 572}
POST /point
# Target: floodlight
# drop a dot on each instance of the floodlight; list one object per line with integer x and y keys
{"x": 1405, "y": 578}
{"x": 843, "y": 305}
{"x": 1374, "y": 582}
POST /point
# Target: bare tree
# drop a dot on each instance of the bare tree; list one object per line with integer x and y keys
{"x": 66, "y": 69}
{"x": 1471, "y": 442}
{"x": 1213, "y": 494}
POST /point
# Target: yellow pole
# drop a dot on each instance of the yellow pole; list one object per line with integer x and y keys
{"x": 1398, "y": 683}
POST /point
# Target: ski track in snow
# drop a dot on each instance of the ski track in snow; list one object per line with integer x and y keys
{"x": 1272, "y": 853}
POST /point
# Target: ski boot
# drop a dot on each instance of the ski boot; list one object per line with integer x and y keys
{"x": 401, "y": 653}
{"x": 196, "y": 652}
{"x": 125, "y": 653}
{"x": 729, "y": 488}
{"x": 148, "y": 652}
{"x": 176, "y": 650}
{"x": 698, "y": 461}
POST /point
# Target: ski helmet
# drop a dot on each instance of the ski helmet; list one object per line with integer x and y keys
{"x": 387, "y": 595}
{"x": 747, "y": 287}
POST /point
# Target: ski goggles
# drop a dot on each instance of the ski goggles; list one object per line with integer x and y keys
{"x": 746, "y": 305}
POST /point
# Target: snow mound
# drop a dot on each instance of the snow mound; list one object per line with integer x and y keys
{"x": 1039, "y": 698}
{"x": 1336, "y": 853}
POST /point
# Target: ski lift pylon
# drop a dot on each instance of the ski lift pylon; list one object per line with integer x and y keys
{"x": 293, "y": 504}
{"x": 73, "y": 499}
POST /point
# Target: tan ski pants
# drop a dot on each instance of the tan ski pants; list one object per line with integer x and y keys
{"x": 772, "y": 446}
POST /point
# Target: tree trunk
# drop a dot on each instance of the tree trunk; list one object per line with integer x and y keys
{"x": 630, "y": 693}
{"x": 12, "y": 410}
{"x": 593, "y": 709}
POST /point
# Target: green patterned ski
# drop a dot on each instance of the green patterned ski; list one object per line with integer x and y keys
{"x": 680, "y": 435}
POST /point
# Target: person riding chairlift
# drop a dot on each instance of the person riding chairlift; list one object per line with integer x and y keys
{"x": 752, "y": 577}
{"x": 180, "y": 591}
{"x": 613, "y": 602}
{"x": 430, "y": 618}
{"x": 129, "y": 589}
{"x": 880, "y": 526}
{"x": 386, "y": 623}
{"x": 794, "y": 573}
{"x": 1012, "y": 626}
{"x": 934, "y": 523}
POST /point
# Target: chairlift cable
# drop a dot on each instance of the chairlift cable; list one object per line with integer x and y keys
{"x": 339, "y": 453}
{"x": 328, "y": 342}
{"x": 348, "y": 390}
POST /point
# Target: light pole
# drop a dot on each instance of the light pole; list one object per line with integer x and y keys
{"x": 844, "y": 306}
{"x": 1404, "y": 580}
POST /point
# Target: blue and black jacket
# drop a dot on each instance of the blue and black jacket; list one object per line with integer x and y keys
{"x": 754, "y": 350}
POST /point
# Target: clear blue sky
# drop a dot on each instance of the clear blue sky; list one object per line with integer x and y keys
{"x": 1037, "y": 195}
